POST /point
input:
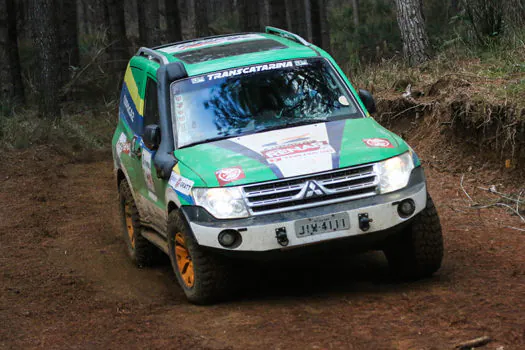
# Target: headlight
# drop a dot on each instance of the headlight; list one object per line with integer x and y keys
{"x": 394, "y": 173}
{"x": 223, "y": 203}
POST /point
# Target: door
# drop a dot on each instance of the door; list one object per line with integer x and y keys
{"x": 154, "y": 191}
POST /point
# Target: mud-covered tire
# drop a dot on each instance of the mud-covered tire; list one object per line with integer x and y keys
{"x": 418, "y": 252}
{"x": 211, "y": 272}
{"x": 140, "y": 250}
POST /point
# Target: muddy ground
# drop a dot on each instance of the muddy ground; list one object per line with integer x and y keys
{"x": 65, "y": 280}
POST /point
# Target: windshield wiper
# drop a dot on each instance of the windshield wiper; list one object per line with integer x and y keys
{"x": 275, "y": 127}
{"x": 210, "y": 139}
{"x": 290, "y": 125}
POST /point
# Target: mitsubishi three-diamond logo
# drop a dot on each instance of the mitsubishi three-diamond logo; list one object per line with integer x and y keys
{"x": 313, "y": 190}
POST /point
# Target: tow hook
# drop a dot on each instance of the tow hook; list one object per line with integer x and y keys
{"x": 364, "y": 222}
{"x": 282, "y": 238}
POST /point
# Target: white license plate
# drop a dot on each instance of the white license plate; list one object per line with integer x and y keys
{"x": 322, "y": 224}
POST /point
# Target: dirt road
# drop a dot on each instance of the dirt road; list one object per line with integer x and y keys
{"x": 65, "y": 281}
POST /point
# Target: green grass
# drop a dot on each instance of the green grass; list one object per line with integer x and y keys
{"x": 75, "y": 132}
{"x": 496, "y": 74}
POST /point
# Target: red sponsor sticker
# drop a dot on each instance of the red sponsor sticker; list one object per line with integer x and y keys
{"x": 227, "y": 175}
{"x": 293, "y": 150}
{"x": 380, "y": 143}
{"x": 126, "y": 147}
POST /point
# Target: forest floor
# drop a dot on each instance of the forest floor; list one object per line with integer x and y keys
{"x": 66, "y": 282}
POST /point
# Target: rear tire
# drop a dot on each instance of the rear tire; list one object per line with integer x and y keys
{"x": 139, "y": 249}
{"x": 203, "y": 276}
{"x": 418, "y": 252}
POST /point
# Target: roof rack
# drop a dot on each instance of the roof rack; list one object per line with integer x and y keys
{"x": 149, "y": 53}
{"x": 288, "y": 35}
{"x": 199, "y": 39}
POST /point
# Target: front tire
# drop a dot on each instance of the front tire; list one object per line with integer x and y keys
{"x": 204, "y": 277}
{"x": 418, "y": 252}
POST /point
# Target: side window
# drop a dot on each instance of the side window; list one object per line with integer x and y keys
{"x": 151, "y": 108}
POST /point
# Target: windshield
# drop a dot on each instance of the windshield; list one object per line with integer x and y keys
{"x": 258, "y": 98}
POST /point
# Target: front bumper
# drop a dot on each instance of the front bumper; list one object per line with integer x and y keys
{"x": 259, "y": 232}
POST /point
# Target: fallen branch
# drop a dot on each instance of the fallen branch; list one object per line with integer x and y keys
{"x": 474, "y": 205}
{"x": 503, "y": 195}
{"x": 474, "y": 343}
{"x": 515, "y": 228}
{"x": 518, "y": 202}
{"x": 463, "y": 188}
{"x": 408, "y": 109}
{"x": 498, "y": 204}
{"x": 69, "y": 85}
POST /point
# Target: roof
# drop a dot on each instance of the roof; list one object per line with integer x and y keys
{"x": 229, "y": 51}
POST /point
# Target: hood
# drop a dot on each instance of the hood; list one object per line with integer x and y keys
{"x": 291, "y": 152}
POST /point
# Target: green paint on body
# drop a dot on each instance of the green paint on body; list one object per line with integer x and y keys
{"x": 354, "y": 151}
{"x": 208, "y": 158}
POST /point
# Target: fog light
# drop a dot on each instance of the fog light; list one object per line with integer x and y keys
{"x": 229, "y": 238}
{"x": 406, "y": 208}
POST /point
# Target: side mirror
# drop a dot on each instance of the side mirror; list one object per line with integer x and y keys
{"x": 368, "y": 101}
{"x": 151, "y": 136}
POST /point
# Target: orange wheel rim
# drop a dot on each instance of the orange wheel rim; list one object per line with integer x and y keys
{"x": 129, "y": 225}
{"x": 184, "y": 263}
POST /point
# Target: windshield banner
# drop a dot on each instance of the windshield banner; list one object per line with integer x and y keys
{"x": 251, "y": 69}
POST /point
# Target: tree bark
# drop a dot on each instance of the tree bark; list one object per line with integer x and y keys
{"x": 277, "y": 13}
{"x": 46, "y": 42}
{"x": 198, "y": 18}
{"x": 149, "y": 22}
{"x": 173, "y": 20}
{"x": 295, "y": 17}
{"x": 355, "y": 14}
{"x": 315, "y": 32}
{"x": 68, "y": 32}
{"x": 325, "y": 26}
{"x": 413, "y": 34}
{"x": 11, "y": 87}
{"x": 249, "y": 16}
{"x": 95, "y": 15}
{"x": 118, "y": 50}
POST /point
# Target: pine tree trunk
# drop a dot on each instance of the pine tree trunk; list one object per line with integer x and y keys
{"x": 95, "y": 15}
{"x": 45, "y": 35}
{"x": 295, "y": 16}
{"x": 197, "y": 18}
{"x": 264, "y": 14}
{"x": 249, "y": 16}
{"x": 315, "y": 22}
{"x": 308, "y": 16}
{"x": 118, "y": 50}
{"x": 173, "y": 20}
{"x": 68, "y": 33}
{"x": 355, "y": 14}
{"x": 325, "y": 26}
{"x": 149, "y": 22}
{"x": 413, "y": 34}
{"x": 11, "y": 87}
{"x": 201, "y": 16}
{"x": 277, "y": 13}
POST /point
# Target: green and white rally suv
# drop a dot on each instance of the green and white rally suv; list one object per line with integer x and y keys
{"x": 257, "y": 145}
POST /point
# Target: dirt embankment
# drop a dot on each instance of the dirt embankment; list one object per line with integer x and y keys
{"x": 449, "y": 120}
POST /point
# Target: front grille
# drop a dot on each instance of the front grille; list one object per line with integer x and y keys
{"x": 312, "y": 190}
